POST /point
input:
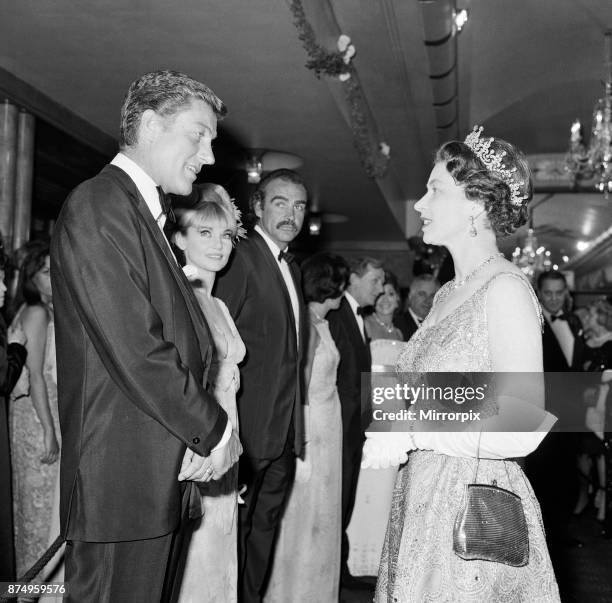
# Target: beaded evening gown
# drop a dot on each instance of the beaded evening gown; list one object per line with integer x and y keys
{"x": 211, "y": 567}
{"x": 35, "y": 504}
{"x": 307, "y": 559}
{"x": 418, "y": 562}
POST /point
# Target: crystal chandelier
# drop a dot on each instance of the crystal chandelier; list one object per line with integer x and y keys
{"x": 595, "y": 162}
{"x": 530, "y": 258}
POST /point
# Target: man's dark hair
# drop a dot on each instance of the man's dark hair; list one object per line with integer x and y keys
{"x": 550, "y": 275}
{"x": 360, "y": 265}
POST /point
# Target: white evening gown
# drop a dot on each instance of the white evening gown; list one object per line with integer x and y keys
{"x": 418, "y": 562}
{"x": 211, "y": 569}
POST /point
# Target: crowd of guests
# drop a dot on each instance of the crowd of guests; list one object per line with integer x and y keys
{"x": 33, "y": 427}
{"x": 570, "y": 471}
{"x": 212, "y": 408}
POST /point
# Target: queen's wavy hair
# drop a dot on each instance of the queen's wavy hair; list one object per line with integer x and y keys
{"x": 481, "y": 184}
{"x": 166, "y": 93}
{"x": 208, "y": 202}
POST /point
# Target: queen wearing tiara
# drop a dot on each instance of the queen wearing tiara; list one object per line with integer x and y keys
{"x": 485, "y": 321}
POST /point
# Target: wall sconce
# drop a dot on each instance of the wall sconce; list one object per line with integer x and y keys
{"x": 254, "y": 169}
{"x": 314, "y": 224}
{"x": 460, "y": 18}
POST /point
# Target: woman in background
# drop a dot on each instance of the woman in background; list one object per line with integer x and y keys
{"x": 306, "y": 565}
{"x": 598, "y": 358}
{"x": 34, "y": 419}
{"x": 12, "y": 358}
{"x": 379, "y": 324}
{"x": 206, "y": 233}
{"x": 375, "y": 485}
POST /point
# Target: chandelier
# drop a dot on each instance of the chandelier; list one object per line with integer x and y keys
{"x": 530, "y": 258}
{"x": 595, "y": 162}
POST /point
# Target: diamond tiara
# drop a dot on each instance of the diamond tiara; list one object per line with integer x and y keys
{"x": 493, "y": 161}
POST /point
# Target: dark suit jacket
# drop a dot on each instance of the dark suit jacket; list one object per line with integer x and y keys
{"x": 133, "y": 351}
{"x": 554, "y": 359}
{"x": 355, "y": 358}
{"x": 405, "y": 323}
{"x": 255, "y": 293}
{"x": 564, "y": 394}
{"x": 12, "y": 359}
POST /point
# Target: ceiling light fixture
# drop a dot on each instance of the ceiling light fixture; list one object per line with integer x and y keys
{"x": 460, "y": 18}
{"x": 582, "y": 245}
{"x": 254, "y": 168}
{"x": 256, "y": 161}
{"x": 531, "y": 258}
{"x": 314, "y": 224}
{"x": 595, "y": 162}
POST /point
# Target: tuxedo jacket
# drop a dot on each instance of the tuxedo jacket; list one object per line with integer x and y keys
{"x": 270, "y": 397}
{"x": 406, "y": 324}
{"x": 564, "y": 394}
{"x": 133, "y": 350}
{"x": 355, "y": 358}
{"x": 554, "y": 359}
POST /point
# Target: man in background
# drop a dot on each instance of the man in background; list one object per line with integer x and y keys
{"x": 261, "y": 287}
{"x": 347, "y": 329}
{"x": 418, "y": 304}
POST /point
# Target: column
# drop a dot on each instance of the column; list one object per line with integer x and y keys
{"x": 8, "y": 168}
{"x": 24, "y": 178}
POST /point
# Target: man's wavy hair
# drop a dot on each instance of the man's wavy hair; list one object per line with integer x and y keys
{"x": 166, "y": 93}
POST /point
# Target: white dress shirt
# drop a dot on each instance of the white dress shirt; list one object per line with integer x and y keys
{"x": 148, "y": 189}
{"x": 354, "y": 305}
{"x": 417, "y": 320}
{"x": 145, "y": 185}
{"x": 284, "y": 268}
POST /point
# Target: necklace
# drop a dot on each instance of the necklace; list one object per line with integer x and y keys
{"x": 458, "y": 284}
{"x": 387, "y": 328}
{"x": 315, "y": 315}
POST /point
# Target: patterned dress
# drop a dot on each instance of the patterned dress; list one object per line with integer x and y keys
{"x": 418, "y": 563}
{"x": 35, "y": 504}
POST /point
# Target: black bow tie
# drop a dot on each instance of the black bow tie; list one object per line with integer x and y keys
{"x": 559, "y": 317}
{"x": 166, "y": 205}
{"x": 285, "y": 255}
{"x": 361, "y": 311}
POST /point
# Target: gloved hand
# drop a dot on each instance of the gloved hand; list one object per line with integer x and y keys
{"x": 383, "y": 449}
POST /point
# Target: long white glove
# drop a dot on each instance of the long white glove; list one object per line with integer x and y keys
{"x": 492, "y": 444}
{"x": 384, "y": 449}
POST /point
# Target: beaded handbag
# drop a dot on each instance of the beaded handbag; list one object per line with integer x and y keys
{"x": 491, "y": 526}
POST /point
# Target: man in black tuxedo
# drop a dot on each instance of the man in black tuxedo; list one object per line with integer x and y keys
{"x": 262, "y": 289}
{"x": 347, "y": 328}
{"x": 420, "y": 298}
{"x": 133, "y": 352}
{"x": 552, "y": 467}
